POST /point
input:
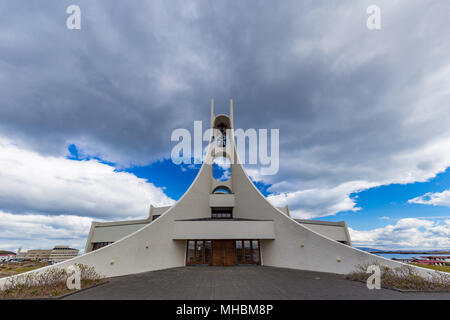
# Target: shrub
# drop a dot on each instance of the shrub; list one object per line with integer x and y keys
{"x": 405, "y": 278}
{"x": 49, "y": 283}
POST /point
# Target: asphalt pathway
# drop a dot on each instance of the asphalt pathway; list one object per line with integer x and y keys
{"x": 241, "y": 282}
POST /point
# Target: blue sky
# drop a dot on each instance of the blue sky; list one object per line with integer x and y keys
{"x": 386, "y": 204}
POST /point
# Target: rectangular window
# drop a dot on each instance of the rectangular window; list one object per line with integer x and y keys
{"x": 190, "y": 253}
{"x": 199, "y": 252}
{"x": 222, "y": 213}
{"x": 255, "y": 250}
{"x": 248, "y": 251}
{"x": 98, "y": 245}
{"x": 239, "y": 253}
{"x": 208, "y": 252}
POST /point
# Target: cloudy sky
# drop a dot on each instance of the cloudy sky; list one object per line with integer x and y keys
{"x": 86, "y": 115}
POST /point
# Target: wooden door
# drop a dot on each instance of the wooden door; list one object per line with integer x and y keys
{"x": 224, "y": 253}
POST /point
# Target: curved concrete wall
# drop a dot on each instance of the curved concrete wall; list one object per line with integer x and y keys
{"x": 150, "y": 248}
{"x": 295, "y": 245}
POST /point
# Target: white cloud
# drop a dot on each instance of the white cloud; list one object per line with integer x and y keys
{"x": 53, "y": 185}
{"x": 433, "y": 198}
{"x": 406, "y": 233}
{"x": 38, "y": 231}
{"x": 313, "y": 203}
{"x": 254, "y": 174}
{"x": 415, "y": 165}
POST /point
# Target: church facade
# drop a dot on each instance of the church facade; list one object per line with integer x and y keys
{"x": 219, "y": 223}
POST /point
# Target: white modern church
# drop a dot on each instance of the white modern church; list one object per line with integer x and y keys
{"x": 218, "y": 223}
{"x": 221, "y": 223}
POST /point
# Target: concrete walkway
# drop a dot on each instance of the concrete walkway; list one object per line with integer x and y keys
{"x": 240, "y": 282}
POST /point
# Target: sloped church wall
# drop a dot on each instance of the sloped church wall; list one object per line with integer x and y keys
{"x": 150, "y": 248}
{"x": 296, "y": 246}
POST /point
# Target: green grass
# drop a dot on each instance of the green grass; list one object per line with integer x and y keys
{"x": 25, "y": 269}
{"x": 438, "y": 268}
{"x": 10, "y": 271}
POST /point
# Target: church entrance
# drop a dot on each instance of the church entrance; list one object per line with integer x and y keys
{"x": 223, "y": 252}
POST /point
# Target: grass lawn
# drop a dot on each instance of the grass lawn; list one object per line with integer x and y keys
{"x": 17, "y": 268}
{"x": 438, "y": 268}
{"x": 25, "y": 269}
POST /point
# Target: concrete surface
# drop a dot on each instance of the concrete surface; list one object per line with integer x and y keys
{"x": 241, "y": 282}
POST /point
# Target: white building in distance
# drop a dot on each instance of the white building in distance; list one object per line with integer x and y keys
{"x": 62, "y": 253}
{"x": 6, "y": 256}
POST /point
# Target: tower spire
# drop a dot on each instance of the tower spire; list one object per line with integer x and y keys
{"x": 231, "y": 113}
{"x": 212, "y": 112}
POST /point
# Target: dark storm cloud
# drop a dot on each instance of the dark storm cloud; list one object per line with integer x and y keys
{"x": 348, "y": 101}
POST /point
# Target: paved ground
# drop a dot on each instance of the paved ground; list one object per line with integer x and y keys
{"x": 240, "y": 282}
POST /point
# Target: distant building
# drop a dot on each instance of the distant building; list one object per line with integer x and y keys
{"x": 57, "y": 254}
{"x": 436, "y": 260}
{"x": 20, "y": 256}
{"x": 6, "y": 256}
{"x": 404, "y": 260}
{"x": 38, "y": 255}
{"x": 440, "y": 258}
{"x": 427, "y": 261}
{"x": 61, "y": 253}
